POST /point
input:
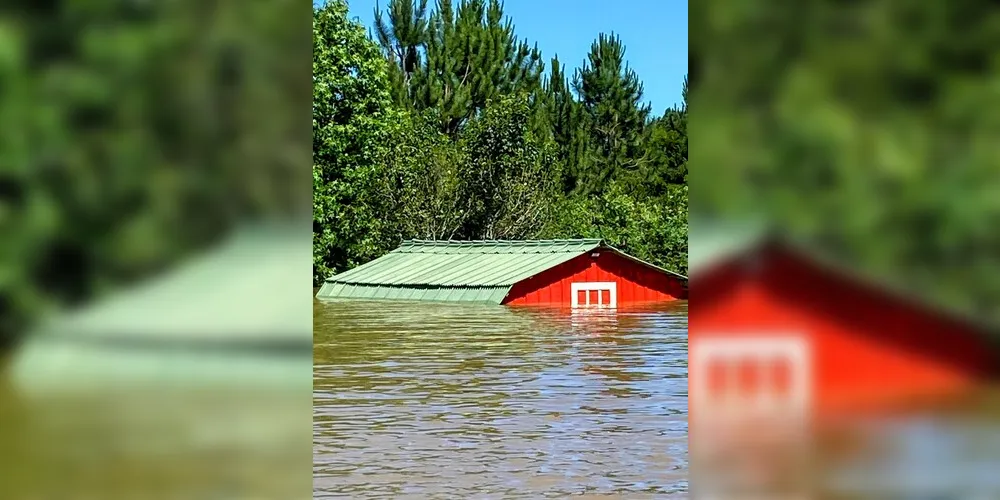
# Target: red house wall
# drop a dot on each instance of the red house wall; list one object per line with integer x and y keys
{"x": 869, "y": 348}
{"x": 636, "y": 283}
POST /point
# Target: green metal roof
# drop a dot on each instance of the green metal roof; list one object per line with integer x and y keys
{"x": 211, "y": 297}
{"x": 712, "y": 242}
{"x": 484, "y": 294}
{"x": 457, "y": 271}
{"x": 207, "y": 320}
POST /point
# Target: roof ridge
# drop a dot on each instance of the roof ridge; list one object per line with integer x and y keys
{"x": 494, "y": 242}
{"x": 498, "y": 246}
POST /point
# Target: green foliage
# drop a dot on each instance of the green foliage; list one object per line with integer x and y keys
{"x": 495, "y": 182}
{"x": 424, "y": 181}
{"x": 351, "y": 117}
{"x": 455, "y": 59}
{"x": 135, "y": 133}
{"x": 611, "y": 96}
{"x": 450, "y": 132}
{"x": 566, "y": 119}
{"x": 508, "y": 174}
{"x": 402, "y": 39}
{"x": 865, "y": 129}
{"x": 666, "y": 153}
{"x": 653, "y": 229}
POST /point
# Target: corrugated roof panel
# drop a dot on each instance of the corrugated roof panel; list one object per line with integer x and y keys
{"x": 487, "y": 268}
{"x": 377, "y": 270}
{"x": 467, "y": 294}
{"x": 465, "y": 263}
{"x": 474, "y": 268}
{"x": 398, "y": 293}
{"x": 400, "y": 271}
{"x": 518, "y": 267}
{"x": 348, "y": 275}
{"x": 330, "y": 289}
{"x": 432, "y": 269}
{"x": 493, "y": 295}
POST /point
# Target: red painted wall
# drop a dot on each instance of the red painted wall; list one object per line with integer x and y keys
{"x": 869, "y": 348}
{"x": 636, "y": 283}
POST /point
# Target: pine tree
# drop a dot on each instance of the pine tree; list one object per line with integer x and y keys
{"x": 666, "y": 151}
{"x": 611, "y": 95}
{"x": 566, "y": 120}
{"x": 402, "y": 40}
{"x": 470, "y": 56}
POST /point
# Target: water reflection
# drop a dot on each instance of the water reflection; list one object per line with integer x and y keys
{"x": 935, "y": 449}
{"x": 949, "y": 449}
{"x": 456, "y": 401}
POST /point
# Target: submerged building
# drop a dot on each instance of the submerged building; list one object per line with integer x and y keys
{"x": 572, "y": 273}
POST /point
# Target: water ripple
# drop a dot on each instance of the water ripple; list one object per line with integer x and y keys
{"x": 449, "y": 401}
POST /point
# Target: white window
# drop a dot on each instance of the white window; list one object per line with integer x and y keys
{"x": 750, "y": 397}
{"x": 594, "y": 294}
{"x": 764, "y": 375}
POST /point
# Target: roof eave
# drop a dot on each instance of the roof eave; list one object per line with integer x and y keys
{"x": 775, "y": 240}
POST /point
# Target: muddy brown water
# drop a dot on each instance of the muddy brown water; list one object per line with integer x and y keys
{"x": 416, "y": 400}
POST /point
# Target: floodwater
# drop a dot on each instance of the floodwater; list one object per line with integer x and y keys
{"x": 416, "y": 400}
{"x": 158, "y": 438}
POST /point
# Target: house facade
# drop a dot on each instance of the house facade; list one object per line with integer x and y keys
{"x": 774, "y": 327}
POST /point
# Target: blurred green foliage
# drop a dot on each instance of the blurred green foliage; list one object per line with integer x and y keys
{"x": 134, "y": 133}
{"x": 865, "y": 127}
{"x": 444, "y": 127}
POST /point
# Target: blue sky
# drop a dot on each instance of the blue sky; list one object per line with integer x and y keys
{"x": 654, "y": 33}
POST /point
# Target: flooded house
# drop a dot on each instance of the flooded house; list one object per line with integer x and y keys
{"x": 579, "y": 273}
{"x": 778, "y": 328}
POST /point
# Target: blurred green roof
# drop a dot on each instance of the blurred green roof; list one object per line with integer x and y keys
{"x": 458, "y": 271}
{"x": 712, "y": 242}
{"x": 244, "y": 289}
{"x": 239, "y": 314}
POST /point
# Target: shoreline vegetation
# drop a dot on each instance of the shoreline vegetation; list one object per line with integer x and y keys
{"x": 442, "y": 124}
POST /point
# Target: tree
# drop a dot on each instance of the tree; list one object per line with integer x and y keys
{"x": 566, "y": 119}
{"x": 424, "y": 179}
{"x": 402, "y": 40}
{"x": 137, "y": 133}
{"x": 351, "y": 116}
{"x": 508, "y": 182}
{"x": 666, "y": 151}
{"x": 653, "y": 229}
{"x": 871, "y": 143}
{"x": 611, "y": 95}
{"x": 465, "y": 57}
